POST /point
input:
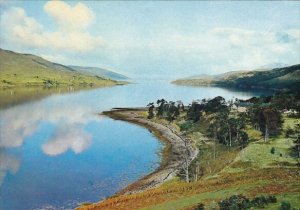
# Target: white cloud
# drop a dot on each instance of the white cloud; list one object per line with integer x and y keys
{"x": 234, "y": 48}
{"x": 71, "y": 137}
{"x": 71, "y": 34}
{"x": 70, "y": 18}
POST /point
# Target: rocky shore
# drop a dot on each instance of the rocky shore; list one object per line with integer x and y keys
{"x": 179, "y": 150}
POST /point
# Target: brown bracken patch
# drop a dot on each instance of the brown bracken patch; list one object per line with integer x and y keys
{"x": 275, "y": 183}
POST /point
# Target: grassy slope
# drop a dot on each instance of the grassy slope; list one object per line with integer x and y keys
{"x": 28, "y": 70}
{"x": 279, "y": 78}
{"x": 252, "y": 171}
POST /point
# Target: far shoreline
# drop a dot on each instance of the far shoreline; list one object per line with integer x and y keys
{"x": 176, "y": 152}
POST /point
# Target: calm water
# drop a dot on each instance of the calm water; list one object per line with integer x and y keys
{"x": 56, "y": 152}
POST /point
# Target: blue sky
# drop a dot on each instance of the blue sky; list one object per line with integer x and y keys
{"x": 155, "y": 39}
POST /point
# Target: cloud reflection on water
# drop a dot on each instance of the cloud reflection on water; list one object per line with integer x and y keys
{"x": 74, "y": 138}
{"x": 7, "y": 163}
{"x": 19, "y": 123}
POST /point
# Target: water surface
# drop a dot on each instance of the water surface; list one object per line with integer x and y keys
{"x": 57, "y": 151}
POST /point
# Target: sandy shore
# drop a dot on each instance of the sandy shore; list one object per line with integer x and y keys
{"x": 178, "y": 146}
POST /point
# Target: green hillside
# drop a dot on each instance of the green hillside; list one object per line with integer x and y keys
{"x": 18, "y": 69}
{"x": 278, "y": 78}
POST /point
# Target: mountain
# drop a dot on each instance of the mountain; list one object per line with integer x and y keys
{"x": 18, "y": 69}
{"x": 95, "y": 71}
{"x": 277, "y": 78}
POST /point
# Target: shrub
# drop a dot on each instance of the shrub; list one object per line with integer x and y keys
{"x": 186, "y": 126}
{"x": 272, "y": 150}
{"x": 285, "y": 206}
{"x": 289, "y": 132}
{"x": 272, "y": 199}
{"x": 200, "y": 206}
{"x": 260, "y": 201}
{"x": 237, "y": 202}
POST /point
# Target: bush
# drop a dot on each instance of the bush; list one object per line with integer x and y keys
{"x": 285, "y": 206}
{"x": 200, "y": 206}
{"x": 289, "y": 132}
{"x": 237, "y": 202}
{"x": 186, "y": 126}
{"x": 260, "y": 201}
{"x": 272, "y": 150}
{"x": 272, "y": 199}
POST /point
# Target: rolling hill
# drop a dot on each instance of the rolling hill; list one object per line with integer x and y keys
{"x": 277, "y": 78}
{"x": 18, "y": 69}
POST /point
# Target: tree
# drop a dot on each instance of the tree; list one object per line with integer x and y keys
{"x": 150, "y": 110}
{"x": 180, "y": 105}
{"x": 186, "y": 169}
{"x": 254, "y": 115}
{"x": 186, "y": 163}
{"x": 213, "y": 130}
{"x": 240, "y": 124}
{"x": 284, "y": 100}
{"x": 272, "y": 122}
{"x": 194, "y": 111}
{"x": 160, "y": 107}
{"x": 232, "y": 126}
{"x": 266, "y": 119}
{"x": 216, "y": 104}
{"x": 243, "y": 139}
{"x": 172, "y": 111}
{"x": 296, "y": 147}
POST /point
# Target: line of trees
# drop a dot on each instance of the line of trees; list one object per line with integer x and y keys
{"x": 168, "y": 110}
{"x": 226, "y": 126}
{"x": 264, "y": 114}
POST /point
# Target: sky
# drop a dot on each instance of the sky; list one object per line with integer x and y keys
{"x": 155, "y": 39}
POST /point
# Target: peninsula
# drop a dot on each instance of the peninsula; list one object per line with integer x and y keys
{"x": 218, "y": 154}
{"x": 178, "y": 151}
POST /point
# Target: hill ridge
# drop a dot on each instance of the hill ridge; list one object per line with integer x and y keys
{"x": 276, "y": 78}
{"x": 19, "y": 69}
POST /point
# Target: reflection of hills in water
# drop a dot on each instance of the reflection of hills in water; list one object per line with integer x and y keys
{"x": 14, "y": 96}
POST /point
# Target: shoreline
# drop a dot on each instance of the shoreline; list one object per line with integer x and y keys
{"x": 178, "y": 150}
{"x": 64, "y": 85}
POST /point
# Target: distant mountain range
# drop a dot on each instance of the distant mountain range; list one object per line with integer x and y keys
{"x": 95, "y": 71}
{"x": 277, "y": 78}
{"x": 18, "y": 69}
